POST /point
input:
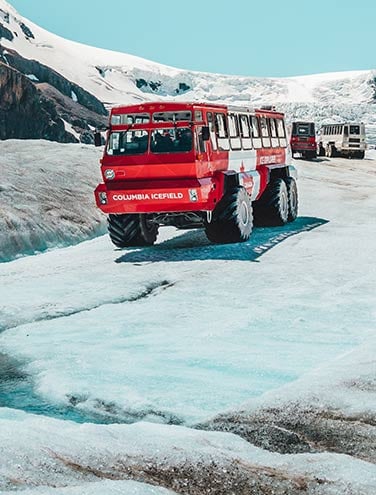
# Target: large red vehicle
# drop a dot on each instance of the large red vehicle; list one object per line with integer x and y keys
{"x": 193, "y": 165}
{"x": 303, "y": 139}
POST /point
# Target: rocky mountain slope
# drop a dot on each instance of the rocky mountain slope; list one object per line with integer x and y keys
{"x": 35, "y": 100}
{"x": 81, "y": 82}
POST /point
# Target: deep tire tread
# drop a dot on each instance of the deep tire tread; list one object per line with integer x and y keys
{"x": 226, "y": 226}
{"x": 131, "y": 230}
{"x": 268, "y": 209}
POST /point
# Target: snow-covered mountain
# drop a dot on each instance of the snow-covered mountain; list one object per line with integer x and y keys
{"x": 118, "y": 78}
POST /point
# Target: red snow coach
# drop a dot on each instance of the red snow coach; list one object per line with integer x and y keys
{"x": 303, "y": 139}
{"x": 191, "y": 165}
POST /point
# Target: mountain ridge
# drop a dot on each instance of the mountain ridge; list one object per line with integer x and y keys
{"x": 115, "y": 78}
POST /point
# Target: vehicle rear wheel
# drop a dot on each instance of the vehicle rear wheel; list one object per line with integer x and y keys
{"x": 232, "y": 218}
{"x": 292, "y": 193}
{"x": 311, "y": 155}
{"x": 320, "y": 150}
{"x": 331, "y": 151}
{"x": 272, "y": 208}
{"x": 132, "y": 230}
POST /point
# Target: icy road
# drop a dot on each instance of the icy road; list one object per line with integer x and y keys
{"x": 183, "y": 330}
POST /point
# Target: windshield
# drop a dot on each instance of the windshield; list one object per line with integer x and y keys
{"x": 128, "y": 143}
{"x": 171, "y": 140}
{"x": 135, "y": 142}
{"x": 305, "y": 129}
{"x": 354, "y": 129}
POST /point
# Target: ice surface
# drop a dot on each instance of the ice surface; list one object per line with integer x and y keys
{"x": 99, "y": 488}
{"x": 46, "y": 196}
{"x": 190, "y": 329}
{"x": 183, "y": 330}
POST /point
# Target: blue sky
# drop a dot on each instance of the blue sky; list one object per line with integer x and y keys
{"x": 244, "y": 37}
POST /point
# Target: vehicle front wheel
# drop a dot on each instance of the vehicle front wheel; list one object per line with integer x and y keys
{"x": 131, "y": 230}
{"x": 232, "y": 218}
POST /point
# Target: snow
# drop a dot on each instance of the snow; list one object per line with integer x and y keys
{"x": 32, "y": 77}
{"x": 51, "y": 453}
{"x": 74, "y": 96}
{"x": 46, "y": 196}
{"x": 190, "y": 330}
{"x": 163, "y": 338}
{"x": 112, "y": 76}
{"x": 99, "y": 488}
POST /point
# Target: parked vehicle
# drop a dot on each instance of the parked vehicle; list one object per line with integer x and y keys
{"x": 342, "y": 140}
{"x": 303, "y": 139}
{"x": 195, "y": 165}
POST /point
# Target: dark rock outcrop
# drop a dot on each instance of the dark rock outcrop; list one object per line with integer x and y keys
{"x": 25, "y": 113}
{"x": 26, "y": 31}
{"x": 36, "y": 100}
{"x": 44, "y": 74}
{"x": 5, "y": 33}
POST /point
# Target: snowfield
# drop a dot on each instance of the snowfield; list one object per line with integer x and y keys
{"x": 117, "y": 78}
{"x": 185, "y": 368}
{"x": 272, "y": 340}
{"x": 46, "y": 196}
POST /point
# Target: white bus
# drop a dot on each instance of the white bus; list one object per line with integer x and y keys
{"x": 342, "y": 140}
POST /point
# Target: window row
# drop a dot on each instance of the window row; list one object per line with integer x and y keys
{"x": 329, "y": 130}
{"x": 144, "y": 118}
{"x": 237, "y": 131}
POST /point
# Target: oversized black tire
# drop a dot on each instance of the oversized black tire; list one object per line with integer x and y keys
{"x": 272, "y": 209}
{"x": 132, "y": 230}
{"x": 320, "y": 150}
{"x": 310, "y": 155}
{"x": 232, "y": 218}
{"x": 292, "y": 194}
{"x": 360, "y": 155}
{"x": 331, "y": 151}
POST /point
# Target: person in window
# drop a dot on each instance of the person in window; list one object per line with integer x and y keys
{"x": 185, "y": 140}
{"x": 167, "y": 141}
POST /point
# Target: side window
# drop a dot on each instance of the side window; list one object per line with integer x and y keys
{"x": 245, "y": 132}
{"x": 281, "y": 131}
{"x": 221, "y": 131}
{"x": 255, "y": 126}
{"x": 200, "y": 146}
{"x": 234, "y": 132}
{"x": 273, "y": 133}
{"x": 264, "y": 132}
{"x": 213, "y": 138}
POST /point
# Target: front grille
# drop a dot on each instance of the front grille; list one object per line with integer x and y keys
{"x": 354, "y": 140}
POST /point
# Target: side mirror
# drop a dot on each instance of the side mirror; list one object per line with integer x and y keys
{"x": 205, "y": 133}
{"x": 98, "y": 139}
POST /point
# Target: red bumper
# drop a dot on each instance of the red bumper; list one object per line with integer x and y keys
{"x": 303, "y": 146}
{"x": 163, "y": 196}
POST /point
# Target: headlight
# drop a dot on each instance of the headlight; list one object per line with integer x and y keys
{"x": 103, "y": 198}
{"x": 109, "y": 174}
